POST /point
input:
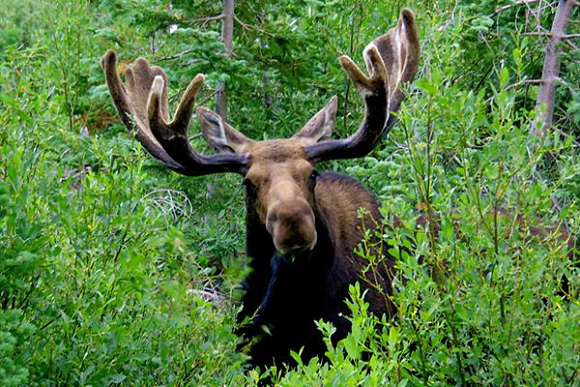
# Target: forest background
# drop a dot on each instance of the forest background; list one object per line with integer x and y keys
{"x": 114, "y": 271}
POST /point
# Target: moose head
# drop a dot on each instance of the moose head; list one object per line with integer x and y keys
{"x": 291, "y": 208}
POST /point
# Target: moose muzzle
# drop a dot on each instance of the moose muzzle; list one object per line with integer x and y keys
{"x": 292, "y": 226}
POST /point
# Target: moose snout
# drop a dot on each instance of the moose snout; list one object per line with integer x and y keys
{"x": 292, "y": 227}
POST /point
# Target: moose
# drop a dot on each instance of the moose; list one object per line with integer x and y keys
{"x": 302, "y": 225}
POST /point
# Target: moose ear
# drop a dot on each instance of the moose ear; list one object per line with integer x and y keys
{"x": 320, "y": 126}
{"x": 219, "y": 134}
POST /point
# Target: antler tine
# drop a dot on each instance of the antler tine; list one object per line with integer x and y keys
{"x": 391, "y": 59}
{"x": 142, "y": 106}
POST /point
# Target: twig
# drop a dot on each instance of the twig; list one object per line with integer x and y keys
{"x": 205, "y": 20}
{"x": 250, "y": 27}
{"x": 207, "y": 295}
{"x": 517, "y": 84}
{"x": 47, "y": 324}
{"x": 178, "y": 56}
{"x": 203, "y": 102}
{"x": 541, "y": 81}
{"x": 561, "y": 36}
{"x": 241, "y": 23}
{"x": 525, "y": 82}
{"x": 550, "y": 34}
{"x": 195, "y": 136}
{"x": 564, "y": 83}
{"x": 506, "y": 7}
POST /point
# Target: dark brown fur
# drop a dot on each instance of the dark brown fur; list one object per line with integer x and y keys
{"x": 289, "y": 297}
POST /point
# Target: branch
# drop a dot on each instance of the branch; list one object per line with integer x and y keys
{"x": 249, "y": 27}
{"x": 541, "y": 81}
{"x": 241, "y": 23}
{"x": 178, "y": 56}
{"x": 506, "y": 7}
{"x": 205, "y": 20}
{"x": 525, "y": 82}
{"x": 245, "y": 26}
{"x": 221, "y": 99}
{"x": 551, "y": 34}
{"x": 208, "y": 98}
{"x": 550, "y": 72}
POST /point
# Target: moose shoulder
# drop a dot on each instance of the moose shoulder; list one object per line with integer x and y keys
{"x": 302, "y": 226}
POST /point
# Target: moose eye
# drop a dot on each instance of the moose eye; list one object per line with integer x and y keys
{"x": 314, "y": 175}
{"x": 248, "y": 184}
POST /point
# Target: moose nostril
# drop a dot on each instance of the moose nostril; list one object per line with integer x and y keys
{"x": 270, "y": 219}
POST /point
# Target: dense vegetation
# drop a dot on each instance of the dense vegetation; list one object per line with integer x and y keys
{"x": 116, "y": 271}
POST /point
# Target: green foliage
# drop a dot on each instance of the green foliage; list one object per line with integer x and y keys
{"x": 13, "y": 332}
{"x": 108, "y": 277}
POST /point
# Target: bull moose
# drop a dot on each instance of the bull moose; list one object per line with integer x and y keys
{"x": 302, "y": 225}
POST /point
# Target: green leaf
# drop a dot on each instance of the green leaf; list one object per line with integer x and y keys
{"x": 352, "y": 347}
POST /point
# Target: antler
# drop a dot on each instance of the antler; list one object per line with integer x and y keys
{"x": 391, "y": 59}
{"x": 142, "y": 106}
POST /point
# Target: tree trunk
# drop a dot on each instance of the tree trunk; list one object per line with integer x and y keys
{"x": 551, "y": 69}
{"x": 221, "y": 100}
